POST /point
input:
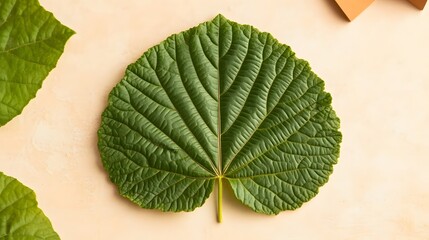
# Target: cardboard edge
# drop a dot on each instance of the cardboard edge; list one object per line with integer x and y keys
{"x": 350, "y": 11}
{"x": 420, "y": 4}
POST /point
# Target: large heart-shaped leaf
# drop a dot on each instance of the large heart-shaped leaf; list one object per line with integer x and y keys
{"x": 219, "y": 101}
{"x": 31, "y": 42}
{"x": 20, "y": 218}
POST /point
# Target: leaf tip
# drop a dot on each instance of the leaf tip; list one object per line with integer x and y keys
{"x": 220, "y": 18}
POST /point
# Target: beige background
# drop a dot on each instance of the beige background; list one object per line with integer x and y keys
{"x": 377, "y": 69}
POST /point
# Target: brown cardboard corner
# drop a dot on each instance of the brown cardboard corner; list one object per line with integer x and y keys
{"x": 420, "y": 4}
{"x": 352, "y": 8}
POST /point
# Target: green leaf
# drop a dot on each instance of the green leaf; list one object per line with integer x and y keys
{"x": 31, "y": 42}
{"x": 20, "y": 218}
{"x": 219, "y": 101}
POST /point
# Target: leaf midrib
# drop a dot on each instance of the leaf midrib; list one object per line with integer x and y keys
{"x": 6, "y": 50}
{"x": 219, "y": 119}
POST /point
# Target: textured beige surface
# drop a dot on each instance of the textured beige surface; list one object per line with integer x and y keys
{"x": 375, "y": 67}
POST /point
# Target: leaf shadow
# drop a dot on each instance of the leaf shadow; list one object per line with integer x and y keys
{"x": 113, "y": 80}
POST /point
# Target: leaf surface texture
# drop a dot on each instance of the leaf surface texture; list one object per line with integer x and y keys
{"x": 31, "y": 42}
{"x": 20, "y": 218}
{"x": 219, "y": 101}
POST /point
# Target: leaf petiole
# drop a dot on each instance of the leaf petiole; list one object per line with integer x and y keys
{"x": 219, "y": 200}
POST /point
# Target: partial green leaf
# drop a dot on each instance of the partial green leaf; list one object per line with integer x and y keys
{"x": 219, "y": 101}
{"x": 20, "y": 218}
{"x": 31, "y": 42}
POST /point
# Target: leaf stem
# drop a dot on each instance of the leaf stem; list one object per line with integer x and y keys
{"x": 219, "y": 200}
